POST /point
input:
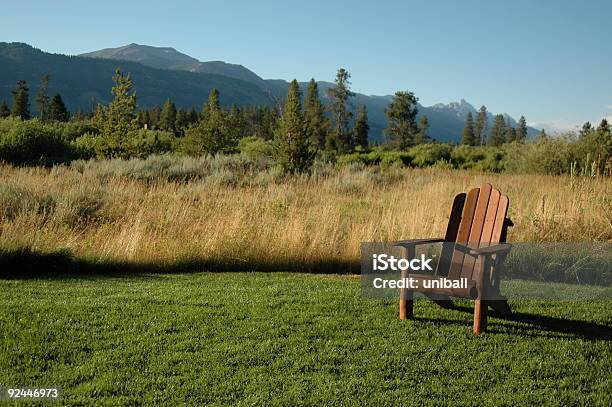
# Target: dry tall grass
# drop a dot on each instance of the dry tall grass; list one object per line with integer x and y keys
{"x": 244, "y": 218}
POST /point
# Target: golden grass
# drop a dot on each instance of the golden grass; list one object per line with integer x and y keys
{"x": 299, "y": 221}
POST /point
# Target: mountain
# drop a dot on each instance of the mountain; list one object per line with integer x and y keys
{"x": 160, "y": 73}
{"x": 171, "y": 59}
{"x": 84, "y": 82}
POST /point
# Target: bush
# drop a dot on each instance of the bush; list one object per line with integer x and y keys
{"x": 425, "y": 155}
{"x": 86, "y": 145}
{"x": 256, "y": 149}
{"x": 542, "y": 156}
{"x": 142, "y": 143}
{"x": 32, "y": 142}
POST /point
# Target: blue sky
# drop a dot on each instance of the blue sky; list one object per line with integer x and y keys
{"x": 548, "y": 60}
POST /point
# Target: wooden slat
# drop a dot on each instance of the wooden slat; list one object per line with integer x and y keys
{"x": 477, "y": 226}
{"x": 464, "y": 232}
{"x": 485, "y": 235}
{"x": 500, "y": 218}
{"x": 452, "y": 229}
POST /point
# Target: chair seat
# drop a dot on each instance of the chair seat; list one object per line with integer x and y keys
{"x": 429, "y": 284}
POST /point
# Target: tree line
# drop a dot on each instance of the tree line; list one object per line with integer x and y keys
{"x": 298, "y": 131}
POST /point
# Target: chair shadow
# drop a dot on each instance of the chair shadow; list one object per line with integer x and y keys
{"x": 534, "y": 325}
{"x": 24, "y": 263}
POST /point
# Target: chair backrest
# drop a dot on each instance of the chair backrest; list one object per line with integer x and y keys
{"x": 477, "y": 218}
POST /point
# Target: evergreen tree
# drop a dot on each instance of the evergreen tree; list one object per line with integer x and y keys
{"x": 236, "y": 123}
{"x": 510, "y": 134}
{"x": 57, "y": 109}
{"x": 292, "y": 145}
{"x": 118, "y": 120}
{"x": 341, "y": 138}
{"x": 193, "y": 116}
{"x": 498, "y": 131}
{"x": 401, "y": 120}
{"x": 154, "y": 117}
{"x": 521, "y": 130}
{"x": 212, "y": 105}
{"x": 143, "y": 118}
{"x": 21, "y": 103}
{"x": 167, "y": 118}
{"x": 211, "y": 134}
{"x": 317, "y": 124}
{"x": 4, "y": 110}
{"x": 586, "y": 129}
{"x": 480, "y": 130}
{"x": 603, "y": 127}
{"x": 182, "y": 120}
{"x": 42, "y": 98}
{"x": 423, "y": 131}
{"x": 468, "y": 137}
{"x": 362, "y": 127}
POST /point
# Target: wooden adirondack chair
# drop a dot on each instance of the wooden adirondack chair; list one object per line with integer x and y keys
{"x": 475, "y": 248}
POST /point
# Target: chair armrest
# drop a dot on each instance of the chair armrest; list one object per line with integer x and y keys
{"x": 416, "y": 242}
{"x": 499, "y": 248}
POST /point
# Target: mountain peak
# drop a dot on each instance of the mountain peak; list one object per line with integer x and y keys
{"x": 171, "y": 59}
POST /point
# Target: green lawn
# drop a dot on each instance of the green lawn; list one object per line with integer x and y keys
{"x": 279, "y": 338}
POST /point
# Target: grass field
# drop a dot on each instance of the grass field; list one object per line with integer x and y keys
{"x": 292, "y": 339}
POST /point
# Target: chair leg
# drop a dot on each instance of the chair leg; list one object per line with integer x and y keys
{"x": 406, "y": 305}
{"x": 480, "y": 316}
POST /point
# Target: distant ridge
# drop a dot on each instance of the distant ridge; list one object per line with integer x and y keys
{"x": 163, "y": 72}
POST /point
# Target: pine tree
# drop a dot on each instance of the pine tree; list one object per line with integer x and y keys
{"x": 317, "y": 124}
{"x": 42, "y": 98}
{"x": 235, "y": 123}
{"x": 118, "y": 120}
{"x": 510, "y": 134}
{"x": 480, "y": 130}
{"x": 401, "y": 114}
{"x": 21, "y": 103}
{"x": 586, "y": 129}
{"x": 423, "y": 131}
{"x": 292, "y": 145}
{"x": 603, "y": 127}
{"x": 211, "y": 134}
{"x": 143, "y": 118}
{"x": 167, "y": 118}
{"x": 521, "y": 130}
{"x": 362, "y": 127}
{"x": 341, "y": 137}
{"x": 182, "y": 120}
{"x": 498, "y": 131}
{"x": 57, "y": 109}
{"x": 212, "y": 105}
{"x": 193, "y": 116}
{"x": 468, "y": 137}
{"x": 4, "y": 110}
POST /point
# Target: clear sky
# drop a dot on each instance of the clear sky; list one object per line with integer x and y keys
{"x": 549, "y": 60}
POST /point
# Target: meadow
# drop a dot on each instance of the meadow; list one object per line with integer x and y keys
{"x": 213, "y": 281}
{"x": 226, "y": 213}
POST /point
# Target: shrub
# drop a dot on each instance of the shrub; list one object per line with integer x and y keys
{"x": 31, "y": 142}
{"x": 142, "y": 142}
{"x": 86, "y": 145}
{"x": 425, "y": 155}
{"x": 256, "y": 149}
